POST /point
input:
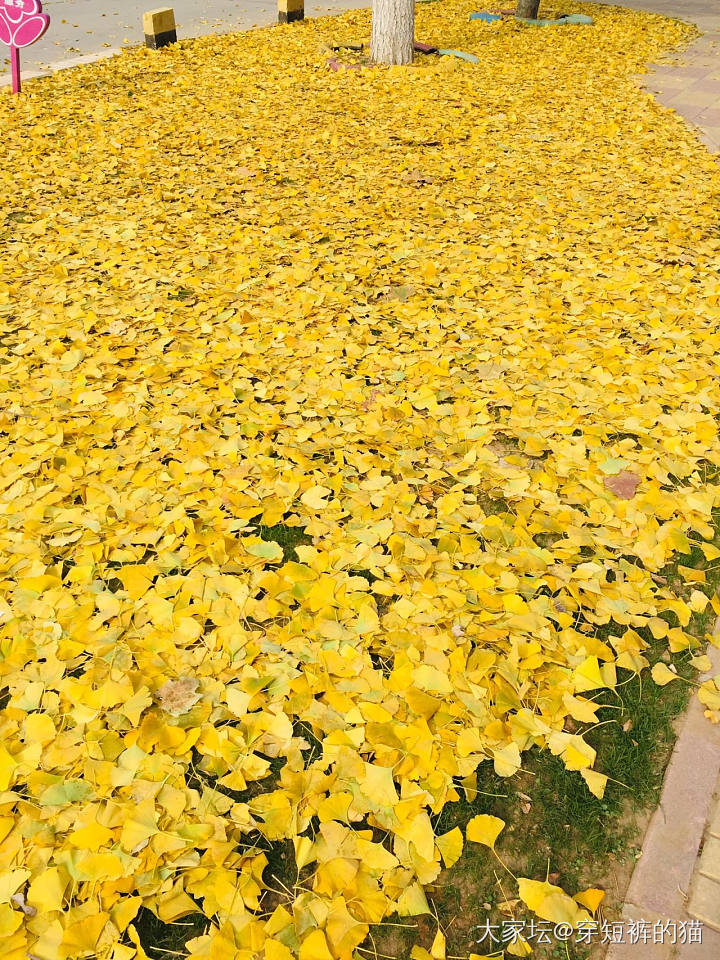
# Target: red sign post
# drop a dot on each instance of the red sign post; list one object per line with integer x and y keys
{"x": 22, "y": 22}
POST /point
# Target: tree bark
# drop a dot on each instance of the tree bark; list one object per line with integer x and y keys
{"x": 527, "y": 9}
{"x": 393, "y": 31}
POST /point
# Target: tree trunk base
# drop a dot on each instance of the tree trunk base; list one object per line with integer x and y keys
{"x": 527, "y": 9}
{"x": 393, "y": 31}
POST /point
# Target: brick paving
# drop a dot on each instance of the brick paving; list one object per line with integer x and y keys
{"x": 704, "y": 902}
{"x": 677, "y": 878}
{"x": 689, "y": 82}
{"x": 678, "y": 875}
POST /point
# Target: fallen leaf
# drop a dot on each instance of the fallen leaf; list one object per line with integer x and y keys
{"x": 178, "y": 696}
{"x": 623, "y": 485}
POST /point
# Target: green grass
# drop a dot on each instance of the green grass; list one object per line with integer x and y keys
{"x": 566, "y": 834}
{"x": 576, "y": 839}
{"x": 286, "y": 536}
{"x": 163, "y": 939}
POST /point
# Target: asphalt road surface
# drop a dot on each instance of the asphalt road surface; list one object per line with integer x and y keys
{"x": 79, "y": 27}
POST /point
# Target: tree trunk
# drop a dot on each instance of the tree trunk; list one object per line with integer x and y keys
{"x": 527, "y": 9}
{"x": 393, "y": 31}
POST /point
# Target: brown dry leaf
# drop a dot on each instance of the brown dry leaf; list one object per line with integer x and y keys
{"x": 178, "y": 696}
{"x": 426, "y": 494}
{"x": 417, "y": 178}
{"x": 623, "y": 484}
{"x": 508, "y": 906}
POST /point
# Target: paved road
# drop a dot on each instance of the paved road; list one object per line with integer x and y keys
{"x": 690, "y": 83}
{"x": 705, "y": 13}
{"x": 80, "y": 27}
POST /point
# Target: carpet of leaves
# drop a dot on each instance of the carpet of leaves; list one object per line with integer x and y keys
{"x": 338, "y": 411}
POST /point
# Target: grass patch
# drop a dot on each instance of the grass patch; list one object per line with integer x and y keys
{"x": 554, "y": 826}
{"x": 280, "y": 876}
{"x": 286, "y": 537}
{"x": 161, "y": 939}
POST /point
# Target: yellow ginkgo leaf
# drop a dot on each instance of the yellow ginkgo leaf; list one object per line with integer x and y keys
{"x": 588, "y": 676}
{"x": 420, "y": 953}
{"x": 82, "y": 936}
{"x": 519, "y": 947}
{"x": 698, "y": 601}
{"x": 175, "y": 905}
{"x": 596, "y": 782}
{"x": 315, "y": 497}
{"x": 450, "y": 846}
{"x": 702, "y": 663}
{"x": 10, "y": 881}
{"x": 437, "y": 950}
{"x": 580, "y": 709}
{"x": 590, "y": 898}
{"x": 550, "y": 902}
{"x": 303, "y": 851}
{"x": 276, "y": 950}
{"x": 125, "y": 911}
{"x": 315, "y": 947}
{"x": 39, "y": 728}
{"x": 46, "y": 890}
{"x": 91, "y": 837}
{"x": 336, "y": 875}
{"x": 140, "y": 953}
{"x": 8, "y": 766}
{"x": 412, "y": 902}
{"x": 469, "y": 785}
{"x": 484, "y": 829}
{"x": 10, "y": 920}
{"x": 139, "y": 827}
{"x": 135, "y": 579}
{"x": 709, "y": 694}
{"x": 237, "y": 699}
{"x": 662, "y": 674}
{"x": 99, "y": 866}
{"x": 578, "y": 755}
{"x": 506, "y": 760}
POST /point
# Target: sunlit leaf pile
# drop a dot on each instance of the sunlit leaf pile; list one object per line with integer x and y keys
{"x": 339, "y": 411}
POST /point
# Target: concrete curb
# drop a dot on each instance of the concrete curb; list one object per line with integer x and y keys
{"x": 661, "y": 881}
{"x": 64, "y": 65}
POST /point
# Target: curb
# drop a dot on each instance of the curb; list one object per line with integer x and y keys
{"x": 64, "y": 65}
{"x": 661, "y": 881}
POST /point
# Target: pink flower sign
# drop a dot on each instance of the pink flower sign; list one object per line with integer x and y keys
{"x": 22, "y": 22}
